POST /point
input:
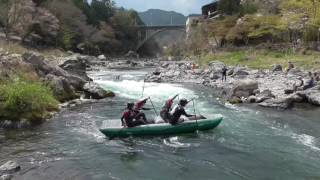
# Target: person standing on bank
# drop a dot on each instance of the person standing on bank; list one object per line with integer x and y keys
{"x": 224, "y": 73}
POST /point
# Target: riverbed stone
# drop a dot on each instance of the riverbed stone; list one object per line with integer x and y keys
{"x": 10, "y": 167}
{"x": 240, "y": 71}
{"x": 62, "y": 89}
{"x": 102, "y": 57}
{"x": 276, "y": 67}
{"x": 279, "y": 103}
{"x": 244, "y": 88}
{"x": 94, "y": 91}
{"x": 6, "y": 177}
{"x": 311, "y": 95}
{"x": 264, "y": 95}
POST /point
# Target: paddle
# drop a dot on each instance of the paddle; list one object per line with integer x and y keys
{"x": 194, "y": 109}
{"x": 155, "y": 111}
{"x": 144, "y": 82}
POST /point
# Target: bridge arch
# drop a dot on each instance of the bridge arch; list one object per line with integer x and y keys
{"x": 156, "y": 32}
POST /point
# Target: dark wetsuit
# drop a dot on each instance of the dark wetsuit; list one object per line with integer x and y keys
{"x": 129, "y": 116}
{"x": 176, "y": 114}
{"x": 224, "y": 74}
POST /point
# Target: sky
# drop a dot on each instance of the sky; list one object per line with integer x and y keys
{"x": 185, "y": 7}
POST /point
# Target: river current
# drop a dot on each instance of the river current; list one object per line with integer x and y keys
{"x": 251, "y": 143}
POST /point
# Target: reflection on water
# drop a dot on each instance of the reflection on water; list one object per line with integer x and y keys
{"x": 251, "y": 143}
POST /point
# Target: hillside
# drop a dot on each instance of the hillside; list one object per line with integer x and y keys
{"x": 161, "y": 17}
{"x": 76, "y": 25}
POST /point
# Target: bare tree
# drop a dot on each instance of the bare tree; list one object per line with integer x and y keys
{"x": 10, "y": 12}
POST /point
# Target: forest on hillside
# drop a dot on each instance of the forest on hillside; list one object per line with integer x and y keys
{"x": 90, "y": 28}
{"x": 293, "y": 23}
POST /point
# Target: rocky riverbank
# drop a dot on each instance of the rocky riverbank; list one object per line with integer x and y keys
{"x": 267, "y": 88}
{"x": 66, "y": 76}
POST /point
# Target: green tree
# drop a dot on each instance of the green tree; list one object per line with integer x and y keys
{"x": 229, "y": 7}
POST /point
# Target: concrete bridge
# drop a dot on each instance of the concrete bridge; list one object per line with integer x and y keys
{"x": 145, "y": 33}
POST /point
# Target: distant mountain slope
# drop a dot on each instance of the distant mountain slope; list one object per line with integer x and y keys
{"x": 161, "y": 17}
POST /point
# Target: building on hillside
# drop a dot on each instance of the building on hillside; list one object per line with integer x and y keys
{"x": 192, "y": 21}
{"x": 210, "y": 10}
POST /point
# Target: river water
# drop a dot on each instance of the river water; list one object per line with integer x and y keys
{"x": 251, "y": 143}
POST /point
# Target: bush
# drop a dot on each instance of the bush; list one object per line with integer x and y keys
{"x": 26, "y": 100}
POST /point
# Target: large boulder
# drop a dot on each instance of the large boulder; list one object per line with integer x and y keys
{"x": 75, "y": 66}
{"x": 264, "y": 95}
{"x": 102, "y": 57}
{"x": 276, "y": 67}
{"x": 311, "y": 95}
{"x": 38, "y": 62}
{"x": 214, "y": 76}
{"x": 244, "y": 88}
{"x": 240, "y": 71}
{"x": 94, "y": 91}
{"x": 6, "y": 177}
{"x": 216, "y": 66}
{"x": 61, "y": 87}
{"x": 132, "y": 54}
{"x": 282, "y": 102}
{"x": 10, "y": 167}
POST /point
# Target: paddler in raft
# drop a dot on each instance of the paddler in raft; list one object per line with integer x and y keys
{"x": 140, "y": 106}
{"x": 178, "y": 111}
{"x": 128, "y": 118}
{"x": 133, "y": 116}
{"x": 166, "y": 109}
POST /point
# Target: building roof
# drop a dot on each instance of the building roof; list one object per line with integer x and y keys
{"x": 212, "y": 5}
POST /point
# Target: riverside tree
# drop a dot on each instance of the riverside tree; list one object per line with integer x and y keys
{"x": 9, "y": 15}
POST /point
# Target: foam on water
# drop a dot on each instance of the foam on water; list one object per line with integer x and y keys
{"x": 133, "y": 89}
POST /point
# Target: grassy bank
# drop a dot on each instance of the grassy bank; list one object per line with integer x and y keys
{"x": 263, "y": 59}
{"x": 23, "y": 99}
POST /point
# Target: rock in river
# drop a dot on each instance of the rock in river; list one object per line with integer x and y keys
{"x": 244, "y": 88}
{"x": 94, "y": 91}
{"x": 10, "y": 167}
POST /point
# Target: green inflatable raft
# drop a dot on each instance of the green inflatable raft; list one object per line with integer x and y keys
{"x": 161, "y": 129}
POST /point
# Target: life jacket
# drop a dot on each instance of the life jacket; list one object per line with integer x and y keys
{"x": 139, "y": 105}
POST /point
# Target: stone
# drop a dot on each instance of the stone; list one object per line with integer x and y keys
{"x": 62, "y": 89}
{"x": 280, "y": 103}
{"x": 75, "y": 67}
{"x": 230, "y": 72}
{"x": 276, "y": 67}
{"x": 132, "y": 54}
{"x": 94, "y": 91}
{"x": 216, "y": 66}
{"x": 10, "y": 167}
{"x": 311, "y": 95}
{"x": 239, "y": 71}
{"x": 6, "y": 177}
{"x": 264, "y": 95}
{"x": 252, "y": 99}
{"x": 46, "y": 23}
{"x": 235, "y": 100}
{"x": 37, "y": 61}
{"x": 197, "y": 71}
{"x": 214, "y": 76}
{"x": 102, "y": 57}
{"x": 283, "y": 102}
{"x": 244, "y": 88}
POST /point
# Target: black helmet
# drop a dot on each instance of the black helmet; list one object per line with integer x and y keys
{"x": 183, "y": 102}
{"x": 130, "y": 105}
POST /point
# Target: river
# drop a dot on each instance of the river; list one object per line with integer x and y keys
{"x": 251, "y": 143}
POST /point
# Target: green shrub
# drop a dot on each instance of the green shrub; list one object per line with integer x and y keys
{"x": 26, "y": 100}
